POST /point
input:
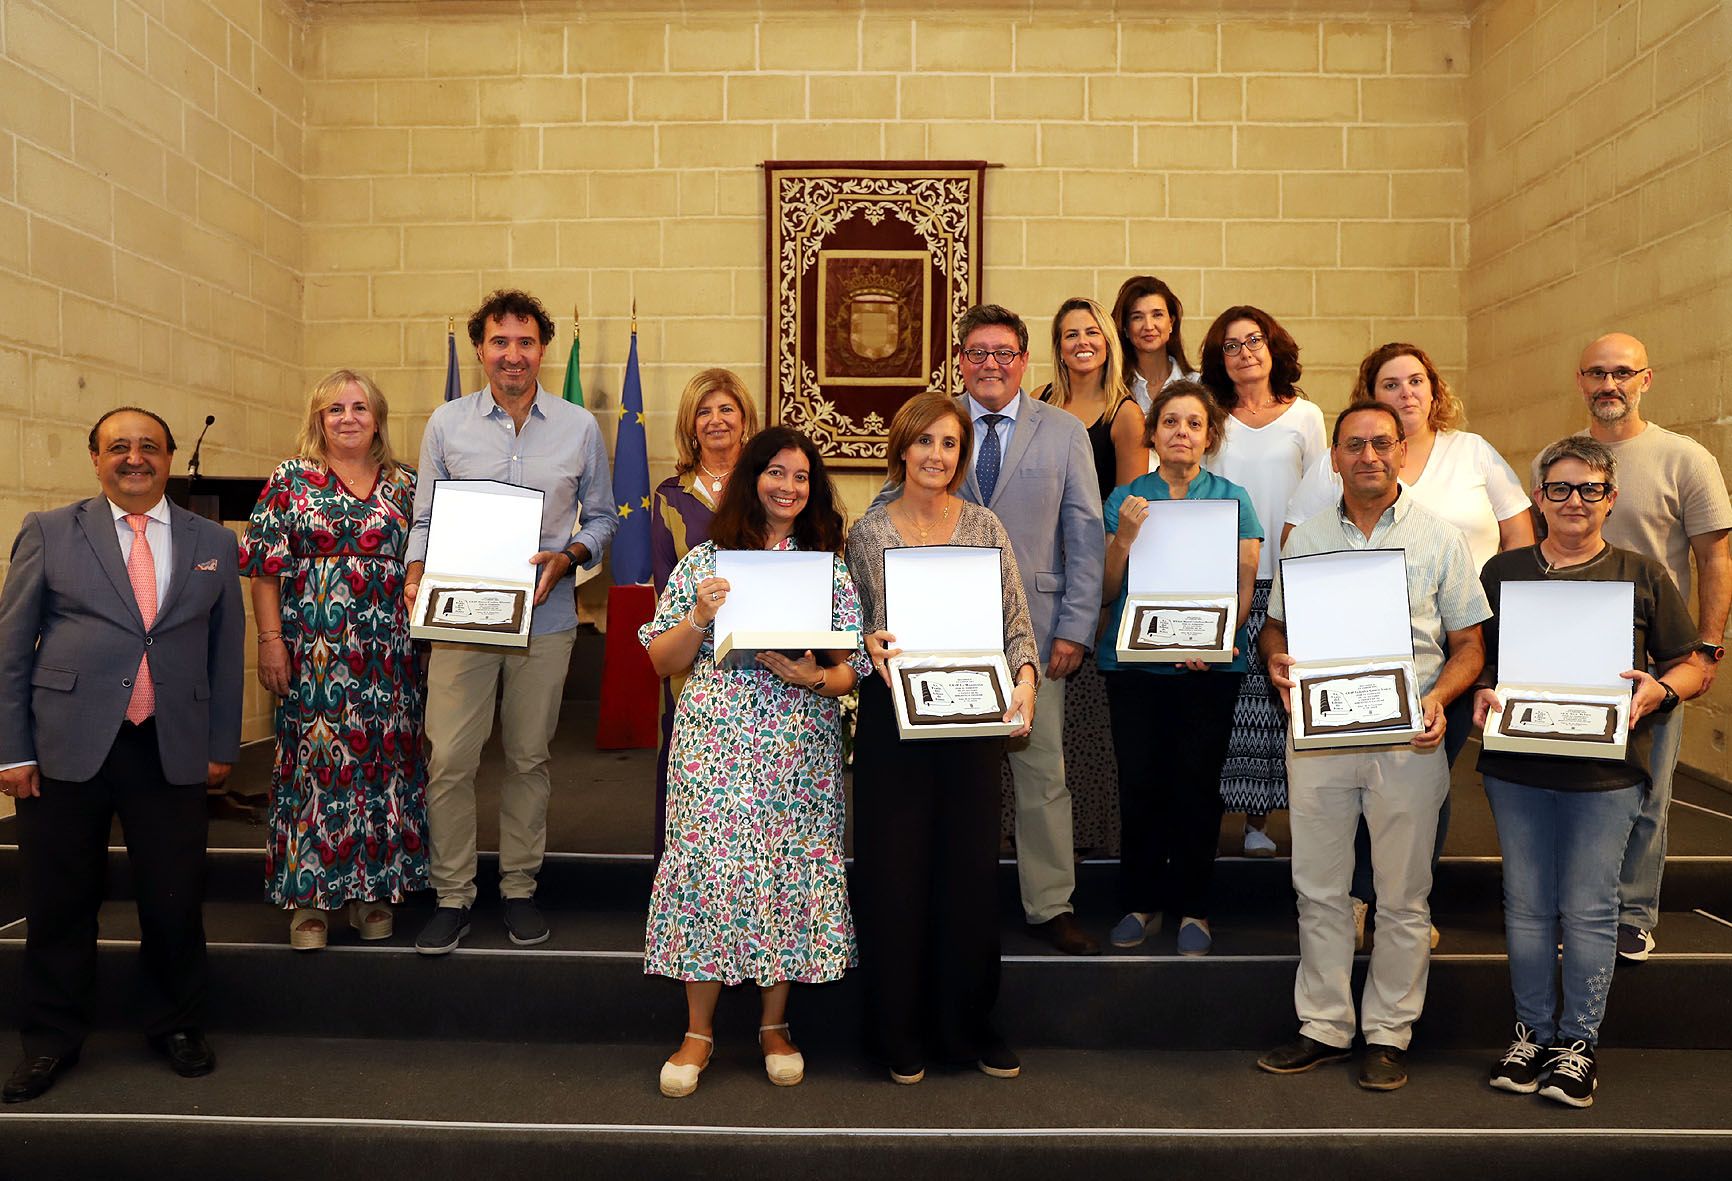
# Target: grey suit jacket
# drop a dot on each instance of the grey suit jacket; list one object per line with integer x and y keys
{"x": 1050, "y": 502}
{"x": 71, "y": 637}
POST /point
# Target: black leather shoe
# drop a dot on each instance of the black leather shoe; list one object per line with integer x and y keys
{"x": 1383, "y": 1069}
{"x": 187, "y": 1052}
{"x": 999, "y": 1061}
{"x": 34, "y": 1076}
{"x": 1062, "y": 931}
{"x": 1297, "y": 1057}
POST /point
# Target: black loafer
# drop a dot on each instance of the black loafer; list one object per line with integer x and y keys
{"x": 1384, "y": 1068}
{"x": 1297, "y": 1057}
{"x": 187, "y": 1052}
{"x": 999, "y": 1061}
{"x": 35, "y": 1075}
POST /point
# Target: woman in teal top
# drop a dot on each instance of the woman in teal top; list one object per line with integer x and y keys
{"x": 1171, "y": 722}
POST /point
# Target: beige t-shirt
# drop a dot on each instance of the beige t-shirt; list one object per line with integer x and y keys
{"x": 1669, "y": 490}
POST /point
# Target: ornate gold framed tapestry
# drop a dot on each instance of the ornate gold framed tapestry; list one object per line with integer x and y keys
{"x": 869, "y": 266}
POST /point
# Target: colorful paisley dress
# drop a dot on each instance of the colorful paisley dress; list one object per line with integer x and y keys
{"x": 751, "y": 885}
{"x": 349, "y": 790}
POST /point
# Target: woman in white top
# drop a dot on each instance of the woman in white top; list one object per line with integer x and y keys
{"x": 1459, "y": 477}
{"x": 1149, "y": 317}
{"x": 1274, "y": 436}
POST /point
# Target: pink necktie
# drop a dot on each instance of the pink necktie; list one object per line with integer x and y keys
{"x": 141, "y": 569}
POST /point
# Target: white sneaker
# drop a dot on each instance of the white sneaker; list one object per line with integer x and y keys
{"x": 1257, "y": 843}
{"x": 1360, "y": 910}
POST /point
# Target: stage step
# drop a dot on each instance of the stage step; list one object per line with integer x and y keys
{"x": 586, "y": 984}
{"x": 284, "y": 1109}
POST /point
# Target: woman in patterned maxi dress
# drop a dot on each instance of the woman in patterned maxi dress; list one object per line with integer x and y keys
{"x": 324, "y": 549}
{"x": 751, "y": 883}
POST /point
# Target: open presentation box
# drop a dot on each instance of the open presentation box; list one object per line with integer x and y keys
{"x": 944, "y": 605}
{"x": 478, "y": 584}
{"x": 1561, "y": 647}
{"x": 778, "y": 601}
{"x": 1182, "y": 584}
{"x": 1350, "y": 632}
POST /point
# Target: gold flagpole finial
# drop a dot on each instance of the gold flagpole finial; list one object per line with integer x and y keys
{"x": 451, "y": 325}
{"x": 634, "y": 315}
{"x": 576, "y": 324}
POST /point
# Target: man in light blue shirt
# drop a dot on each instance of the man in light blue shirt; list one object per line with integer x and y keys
{"x": 516, "y": 432}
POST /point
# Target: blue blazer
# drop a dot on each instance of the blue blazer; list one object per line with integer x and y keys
{"x": 1050, "y": 502}
{"x": 71, "y": 637}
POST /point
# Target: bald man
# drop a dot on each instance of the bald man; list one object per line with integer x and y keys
{"x": 1672, "y": 506}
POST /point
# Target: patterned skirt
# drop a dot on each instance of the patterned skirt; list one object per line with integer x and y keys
{"x": 1254, "y": 777}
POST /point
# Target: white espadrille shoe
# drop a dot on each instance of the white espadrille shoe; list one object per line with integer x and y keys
{"x": 785, "y": 1070}
{"x": 679, "y": 1081}
{"x": 372, "y": 920}
{"x": 309, "y": 929}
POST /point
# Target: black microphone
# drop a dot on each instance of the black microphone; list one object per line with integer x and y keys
{"x": 192, "y": 464}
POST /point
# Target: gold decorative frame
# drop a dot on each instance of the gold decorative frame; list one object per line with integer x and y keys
{"x": 869, "y": 265}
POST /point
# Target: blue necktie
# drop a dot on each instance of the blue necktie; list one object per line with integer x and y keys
{"x": 986, "y": 471}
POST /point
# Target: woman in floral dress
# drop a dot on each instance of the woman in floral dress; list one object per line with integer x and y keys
{"x": 324, "y": 549}
{"x": 751, "y": 883}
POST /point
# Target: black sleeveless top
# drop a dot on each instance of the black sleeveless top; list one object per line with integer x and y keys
{"x": 1100, "y": 442}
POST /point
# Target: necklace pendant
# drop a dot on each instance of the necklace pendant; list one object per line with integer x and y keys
{"x": 715, "y": 485}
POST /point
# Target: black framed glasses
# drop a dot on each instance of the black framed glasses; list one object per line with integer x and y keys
{"x": 1621, "y": 376}
{"x": 1254, "y": 342}
{"x": 978, "y": 356}
{"x": 1591, "y": 492}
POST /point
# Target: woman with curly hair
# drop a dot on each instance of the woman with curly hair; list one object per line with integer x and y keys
{"x": 1274, "y": 436}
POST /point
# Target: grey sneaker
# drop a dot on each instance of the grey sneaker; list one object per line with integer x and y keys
{"x": 443, "y": 931}
{"x": 523, "y": 922}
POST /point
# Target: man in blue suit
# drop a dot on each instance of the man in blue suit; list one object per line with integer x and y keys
{"x": 121, "y": 653}
{"x": 1032, "y": 466}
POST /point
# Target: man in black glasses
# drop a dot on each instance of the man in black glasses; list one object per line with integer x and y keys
{"x": 1398, "y": 789}
{"x": 1672, "y": 505}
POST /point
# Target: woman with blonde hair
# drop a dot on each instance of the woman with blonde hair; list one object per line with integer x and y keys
{"x": 715, "y": 418}
{"x": 1089, "y": 382}
{"x": 324, "y": 549}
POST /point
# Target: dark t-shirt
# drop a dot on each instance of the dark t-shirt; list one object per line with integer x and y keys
{"x": 1664, "y": 632}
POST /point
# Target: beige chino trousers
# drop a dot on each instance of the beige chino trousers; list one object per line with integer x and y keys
{"x": 1045, "y": 849}
{"x": 462, "y": 681}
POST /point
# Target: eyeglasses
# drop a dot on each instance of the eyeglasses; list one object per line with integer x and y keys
{"x": 1002, "y": 356}
{"x": 1618, "y": 376}
{"x": 1382, "y": 444}
{"x": 1254, "y": 342}
{"x": 1558, "y": 491}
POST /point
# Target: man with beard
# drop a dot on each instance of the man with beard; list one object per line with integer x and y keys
{"x": 1672, "y": 504}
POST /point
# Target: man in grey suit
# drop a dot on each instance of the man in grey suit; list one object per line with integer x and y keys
{"x": 121, "y": 654}
{"x": 1032, "y": 466}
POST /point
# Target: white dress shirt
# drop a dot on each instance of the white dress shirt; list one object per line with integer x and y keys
{"x": 157, "y": 535}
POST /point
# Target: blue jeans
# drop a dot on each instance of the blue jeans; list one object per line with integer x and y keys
{"x": 1645, "y": 855}
{"x": 1561, "y": 853}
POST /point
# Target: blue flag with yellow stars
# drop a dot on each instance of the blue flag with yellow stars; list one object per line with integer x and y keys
{"x": 631, "y": 486}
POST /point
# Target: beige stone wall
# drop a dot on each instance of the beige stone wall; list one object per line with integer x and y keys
{"x": 1315, "y": 166}
{"x": 1600, "y": 166}
{"x": 150, "y": 234}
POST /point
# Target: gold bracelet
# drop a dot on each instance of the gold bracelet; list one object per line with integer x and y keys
{"x": 267, "y": 637}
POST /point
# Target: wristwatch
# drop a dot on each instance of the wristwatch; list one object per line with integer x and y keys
{"x": 1669, "y": 702}
{"x": 1714, "y": 652}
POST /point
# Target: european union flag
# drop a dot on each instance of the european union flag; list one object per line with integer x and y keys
{"x": 631, "y": 486}
{"x": 453, "y": 385}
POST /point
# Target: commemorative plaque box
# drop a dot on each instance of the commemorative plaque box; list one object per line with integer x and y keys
{"x": 1561, "y": 647}
{"x": 778, "y": 601}
{"x": 478, "y": 585}
{"x": 1182, "y": 584}
{"x": 1350, "y": 632}
{"x": 943, "y": 603}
